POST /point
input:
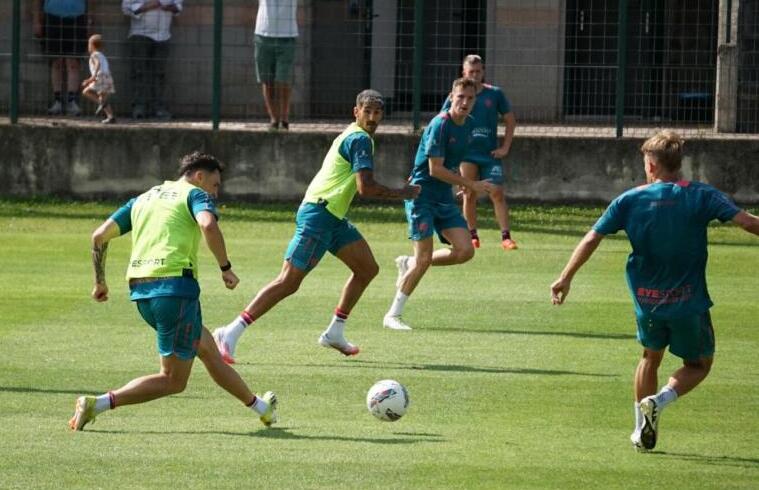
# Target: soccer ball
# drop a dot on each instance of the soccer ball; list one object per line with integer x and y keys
{"x": 387, "y": 400}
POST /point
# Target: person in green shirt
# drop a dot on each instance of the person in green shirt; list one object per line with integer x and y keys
{"x": 321, "y": 226}
{"x": 167, "y": 223}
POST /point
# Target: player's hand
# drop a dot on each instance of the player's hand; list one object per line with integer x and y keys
{"x": 559, "y": 291}
{"x": 499, "y": 153}
{"x": 100, "y": 293}
{"x": 411, "y": 191}
{"x": 230, "y": 279}
{"x": 482, "y": 187}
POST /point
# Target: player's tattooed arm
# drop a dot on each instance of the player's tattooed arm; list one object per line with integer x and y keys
{"x": 368, "y": 187}
{"x": 99, "y": 252}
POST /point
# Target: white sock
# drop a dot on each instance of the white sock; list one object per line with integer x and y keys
{"x": 102, "y": 403}
{"x": 259, "y": 406}
{"x": 336, "y": 328}
{"x": 666, "y": 396}
{"x": 638, "y": 417}
{"x": 233, "y": 331}
{"x": 399, "y": 302}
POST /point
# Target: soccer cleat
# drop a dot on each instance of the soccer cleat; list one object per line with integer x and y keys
{"x": 84, "y": 412}
{"x": 395, "y": 323}
{"x": 636, "y": 442}
{"x": 649, "y": 430}
{"x": 270, "y": 415}
{"x": 401, "y": 262}
{"x": 476, "y": 242}
{"x": 342, "y": 345}
{"x": 227, "y": 353}
{"x": 508, "y": 244}
{"x": 56, "y": 109}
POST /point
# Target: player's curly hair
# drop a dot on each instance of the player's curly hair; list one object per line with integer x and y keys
{"x": 199, "y": 161}
{"x": 666, "y": 148}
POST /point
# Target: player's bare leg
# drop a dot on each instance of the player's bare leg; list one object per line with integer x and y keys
{"x": 267, "y": 88}
{"x": 646, "y": 418}
{"x": 460, "y": 251}
{"x": 472, "y": 172}
{"x": 501, "y": 209}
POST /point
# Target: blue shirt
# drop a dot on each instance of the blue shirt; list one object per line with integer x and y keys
{"x": 442, "y": 138}
{"x": 357, "y": 149}
{"x": 65, "y": 8}
{"x": 489, "y": 107}
{"x": 183, "y": 287}
{"x": 666, "y": 224}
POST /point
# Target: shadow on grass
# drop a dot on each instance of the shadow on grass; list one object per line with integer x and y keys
{"x": 583, "y": 335}
{"x": 713, "y": 460}
{"x": 287, "y": 433}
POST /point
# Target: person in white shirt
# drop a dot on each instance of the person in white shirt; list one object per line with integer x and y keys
{"x": 100, "y": 84}
{"x": 275, "y": 35}
{"x": 149, "y": 35}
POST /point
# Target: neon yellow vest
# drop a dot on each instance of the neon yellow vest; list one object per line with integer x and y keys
{"x": 165, "y": 236}
{"x": 335, "y": 182}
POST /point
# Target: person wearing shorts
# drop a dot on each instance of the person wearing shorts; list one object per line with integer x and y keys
{"x": 167, "y": 223}
{"x": 443, "y": 144}
{"x": 274, "y": 49}
{"x": 321, "y": 227}
{"x": 666, "y": 222}
{"x": 99, "y": 86}
{"x": 61, "y": 26}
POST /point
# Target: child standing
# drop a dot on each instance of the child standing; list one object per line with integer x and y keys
{"x": 100, "y": 84}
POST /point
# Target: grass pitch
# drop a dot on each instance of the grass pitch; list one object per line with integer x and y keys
{"x": 507, "y": 391}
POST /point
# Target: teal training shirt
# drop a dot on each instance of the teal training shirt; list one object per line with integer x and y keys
{"x": 442, "y": 138}
{"x": 666, "y": 224}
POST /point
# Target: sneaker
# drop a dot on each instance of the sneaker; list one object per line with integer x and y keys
{"x": 649, "y": 430}
{"x": 227, "y": 353}
{"x": 401, "y": 262}
{"x": 270, "y": 416}
{"x": 341, "y": 345}
{"x": 476, "y": 242}
{"x": 84, "y": 412}
{"x": 56, "y": 109}
{"x": 72, "y": 108}
{"x": 636, "y": 442}
{"x": 109, "y": 120}
{"x": 395, "y": 323}
{"x": 509, "y": 244}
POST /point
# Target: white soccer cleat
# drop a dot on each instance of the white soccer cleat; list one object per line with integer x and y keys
{"x": 395, "y": 323}
{"x": 270, "y": 415}
{"x": 401, "y": 262}
{"x": 226, "y": 350}
{"x": 650, "y": 429}
{"x": 636, "y": 442}
{"x": 339, "y": 344}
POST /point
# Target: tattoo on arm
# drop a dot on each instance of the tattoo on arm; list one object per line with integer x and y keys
{"x": 99, "y": 253}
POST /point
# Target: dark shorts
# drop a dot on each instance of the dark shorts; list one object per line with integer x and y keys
{"x": 425, "y": 218}
{"x": 689, "y": 338}
{"x": 274, "y": 58}
{"x": 489, "y": 168}
{"x": 178, "y": 324}
{"x": 318, "y": 231}
{"x": 64, "y": 36}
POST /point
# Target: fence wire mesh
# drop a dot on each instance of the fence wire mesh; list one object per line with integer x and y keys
{"x": 558, "y": 61}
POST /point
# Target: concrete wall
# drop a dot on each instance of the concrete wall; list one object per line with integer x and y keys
{"x": 117, "y": 162}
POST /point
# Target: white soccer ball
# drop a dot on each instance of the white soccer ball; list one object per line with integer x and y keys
{"x": 387, "y": 400}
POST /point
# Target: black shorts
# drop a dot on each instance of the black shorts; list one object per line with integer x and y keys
{"x": 64, "y": 36}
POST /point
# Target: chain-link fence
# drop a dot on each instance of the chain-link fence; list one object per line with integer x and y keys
{"x": 563, "y": 64}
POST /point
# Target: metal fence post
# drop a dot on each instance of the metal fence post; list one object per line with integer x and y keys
{"x": 621, "y": 66}
{"x": 15, "y": 59}
{"x": 218, "y": 20}
{"x": 418, "y": 60}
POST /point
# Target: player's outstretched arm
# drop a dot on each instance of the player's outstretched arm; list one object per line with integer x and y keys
{"x": 215, "y": 241}
{"x": 100, "y": 238}
{"x": 368, "y": 187}
{"x": 747, "y": 221}
{"x": 581, "y": 254}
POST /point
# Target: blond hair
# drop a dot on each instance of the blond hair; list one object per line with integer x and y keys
{"x": 97, "y": 41}
{"x": 666, "y": 149}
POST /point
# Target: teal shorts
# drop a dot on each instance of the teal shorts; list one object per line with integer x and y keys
{"x": 689, "y": 338}
{"x": 274, "y": 58}
{"x": 316, "y": 232}
{"x": 177, "y": 322}
{"x": 489, "y": 168}
{"x": 425, "y": 218}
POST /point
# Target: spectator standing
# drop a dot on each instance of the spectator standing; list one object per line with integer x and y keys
{"x": 61, "y": 25}
{"x": 149, "y": 35}
{"x": 274, "y": 48}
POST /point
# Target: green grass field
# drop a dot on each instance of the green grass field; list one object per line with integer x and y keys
{"x": 507, "y": 391}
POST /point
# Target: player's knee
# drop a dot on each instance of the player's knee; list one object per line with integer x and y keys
{"x": 175, "y": 384}
{"x": 423, "y": 262}
{"x": 464, "y": 254}
{"x": 497, "y": 195}
{"x": 371, "y": 271}
{"x": 703, "y": 364}
{"x": 652, "y": 358}
{"x": 287, "y": 285}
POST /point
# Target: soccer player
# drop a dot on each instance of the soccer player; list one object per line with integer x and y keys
{"x": 167, "y": 223}
{"x": 321, "y": 226}
{"x": 483, "y": 158}
{"x": 443, "y": 144}
{"x": 665, "y": 221}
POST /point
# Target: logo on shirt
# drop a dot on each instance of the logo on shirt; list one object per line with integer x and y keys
{"x": 488, "y": 103}
{"x": 363, "y": 154}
